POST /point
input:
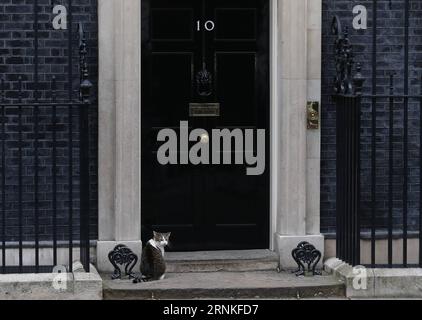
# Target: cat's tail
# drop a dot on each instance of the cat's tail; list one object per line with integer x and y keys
{"x": 141, "y": 279}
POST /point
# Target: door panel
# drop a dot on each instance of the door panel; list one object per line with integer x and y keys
{"x": 172, "y": 24}
{"x": 235, "y": 24}
{"x": 206, "y": 207}
{"x": 236, "y": 87}
{"x": 168, "y": 69}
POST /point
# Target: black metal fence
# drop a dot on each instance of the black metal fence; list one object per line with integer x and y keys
{"x": 363, "y": 133}
{"x": 348, "y": 178}
{"x": 54, "y": 132}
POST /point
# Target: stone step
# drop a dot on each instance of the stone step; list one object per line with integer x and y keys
{"x": 215, "y": 261}
{"x": 226, "y": 285}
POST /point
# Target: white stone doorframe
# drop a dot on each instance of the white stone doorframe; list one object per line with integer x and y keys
{"x": 295, "y": 151}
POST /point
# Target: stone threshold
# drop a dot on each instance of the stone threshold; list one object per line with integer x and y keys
{"x": 226, "y": 255}
{"x": 226, "y": 286}
{"x": 214, "y": 261}
{"x": 380, "y": 283}
{"x": 77, "y": 285}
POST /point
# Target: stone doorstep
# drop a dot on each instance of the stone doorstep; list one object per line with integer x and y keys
{"x": 214, "y": 261}
{"x": 226, "y": 285}
{"x": 80, "y": 286}
{"x": 382, "y": 283}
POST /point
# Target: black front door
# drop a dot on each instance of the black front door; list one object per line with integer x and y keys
{"x": 205, "y": 62}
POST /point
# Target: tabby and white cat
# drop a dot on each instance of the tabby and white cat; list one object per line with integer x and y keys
{"x": 153, "y": 265}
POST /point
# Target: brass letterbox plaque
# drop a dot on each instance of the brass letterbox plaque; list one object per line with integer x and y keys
{"x": 204, "y": 110}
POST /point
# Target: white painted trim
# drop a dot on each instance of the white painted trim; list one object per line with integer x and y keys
{"x": 274, "y": 125}
{"x": 119, "y": 214}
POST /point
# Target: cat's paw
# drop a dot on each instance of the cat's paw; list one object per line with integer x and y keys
{"x": 137, "y": 280}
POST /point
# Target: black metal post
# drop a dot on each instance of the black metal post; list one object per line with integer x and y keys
{"x": 70, "y": 138}
{"x": 54, "y": 173}
{"x": 390, "y": 175}
{"x": 358, "y": 81}
{"x": 3, "y": 174}
{"x": 374, "y": 131}
{"x": 85, "y": 95}
{"x": 36, "y": 133}
{"x": 347, "y": 94}
{"x": 420, "y": 175}
{"x": 20, "y": 171}
{"x": 406, "y": 130}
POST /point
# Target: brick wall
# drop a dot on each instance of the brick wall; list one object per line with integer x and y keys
{"x": 17, "y": 59}
{"x": 390, "y": 58}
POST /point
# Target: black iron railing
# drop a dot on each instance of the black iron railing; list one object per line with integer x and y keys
{"x": 390, "y": 176}
{"x": 348, "y": 178}
{"x": 348, "y": 90}
{"x": 55, "y": 134}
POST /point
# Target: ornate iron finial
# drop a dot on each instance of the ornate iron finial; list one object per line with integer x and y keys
{"x": 85, "y": 83}
{"x": 344, "y": 59}
{"x": 306, "y": 254}
{"x": 336, "y": 28}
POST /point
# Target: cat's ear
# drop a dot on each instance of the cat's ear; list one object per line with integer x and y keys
{"x": 168, "y": 235}
{"x": 155, "y": 234}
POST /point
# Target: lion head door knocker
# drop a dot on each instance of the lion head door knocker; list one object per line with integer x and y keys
{"x": 123, "y": 256}
{"x": 204, "y": 82}
{"x": 306, "y": 254}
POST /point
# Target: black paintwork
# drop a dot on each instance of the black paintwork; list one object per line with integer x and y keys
{"x": 205, "y": 207}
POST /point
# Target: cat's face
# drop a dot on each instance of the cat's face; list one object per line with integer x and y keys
{"x": 162, "y": 239}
